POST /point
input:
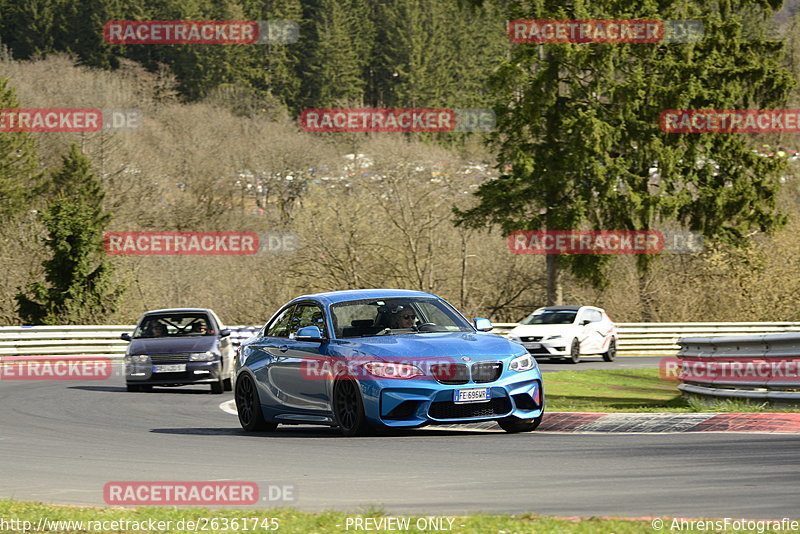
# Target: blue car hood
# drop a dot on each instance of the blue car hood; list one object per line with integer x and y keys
{"x": 477, "y": 346}
{"x": 172, "y": 345}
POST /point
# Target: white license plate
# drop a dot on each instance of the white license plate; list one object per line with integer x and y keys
{"x": 175, "y": 368}
{"x": 532, "y": 345}
{"x": 461, "y": 396}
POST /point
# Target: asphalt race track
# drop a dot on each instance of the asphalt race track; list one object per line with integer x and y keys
{"x": 60, "y": 442}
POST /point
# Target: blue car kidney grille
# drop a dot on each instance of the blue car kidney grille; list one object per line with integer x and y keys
{"x": 459, "y": 373}
{"x": 486, "y": 372}
{"x": 170, "y": 358}
{"x": 450, "y": 373}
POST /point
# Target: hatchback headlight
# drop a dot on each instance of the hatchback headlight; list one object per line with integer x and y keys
{"x": 526, "y": 362}
{"x": 204, "y": 356}
{"x": 553, "y": 338}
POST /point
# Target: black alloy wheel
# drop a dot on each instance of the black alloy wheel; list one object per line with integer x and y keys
{"x": 515, "y": 424}
{"x": 348, "y": 408}
{"x": 575, "y": 351}
{"x": 248, "y": 406}
{"x": 611, "y": 353}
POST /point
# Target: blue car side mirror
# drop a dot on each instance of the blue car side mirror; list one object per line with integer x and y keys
{"x": 225, "y": 332}
{"x": 482, "y": 325}
{"x": 310, "y": 333}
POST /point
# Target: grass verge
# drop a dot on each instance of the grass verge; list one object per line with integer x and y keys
{"x": 631, "y": 390}
{"x": 287, "y": 521}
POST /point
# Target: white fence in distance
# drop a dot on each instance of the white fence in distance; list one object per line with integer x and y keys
{"x": 83, "y": 340}
{"x": 635, "y": 339}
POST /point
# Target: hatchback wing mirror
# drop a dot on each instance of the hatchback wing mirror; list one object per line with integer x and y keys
{"x": 310, "y": 333}
{"x": 482, "y": 325}
{"x": 585, "y": 322}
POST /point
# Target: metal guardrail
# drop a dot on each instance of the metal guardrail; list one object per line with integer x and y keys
{"x": 89, "y": 340}
{"x": 635, "y": 339}
{"x": 759, "y": 367}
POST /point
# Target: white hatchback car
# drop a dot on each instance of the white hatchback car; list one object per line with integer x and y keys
{"x": 567, "y": 332}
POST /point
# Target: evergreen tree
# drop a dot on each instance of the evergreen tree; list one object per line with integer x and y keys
{"x": 28, "y": 28}
{"x": 275, "y": 67}
{"x": 415, "y": 53}
{"x": 77, "y": 286}
{"x": 341, "y": 54}
{"x": 578, "y": 126}
{"x": 19, "y": 167}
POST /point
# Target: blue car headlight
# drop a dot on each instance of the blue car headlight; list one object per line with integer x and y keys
{"x": 526, "y": 362}
{"x": 209, "y": 356}
{"x": 134, "y": 359}
{"x": 393, "y": 370}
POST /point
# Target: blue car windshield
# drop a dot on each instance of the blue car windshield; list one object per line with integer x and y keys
{"x": 550, "y": 317}
{"x": 394, "y": 316}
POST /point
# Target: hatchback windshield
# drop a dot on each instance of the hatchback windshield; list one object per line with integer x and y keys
{"x": 360, "y": 318}
{"x": 550, "y": 317}
{"x": 172, "y": 325}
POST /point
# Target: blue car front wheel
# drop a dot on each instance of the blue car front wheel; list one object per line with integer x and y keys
{"x": 515, "y": 424}
{"x": 349, "y": 408}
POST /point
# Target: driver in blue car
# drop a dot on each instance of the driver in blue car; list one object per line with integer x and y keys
{"x": 402, "y": 317}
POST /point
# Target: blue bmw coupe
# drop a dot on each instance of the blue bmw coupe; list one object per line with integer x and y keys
{"x": 383, "y": 358}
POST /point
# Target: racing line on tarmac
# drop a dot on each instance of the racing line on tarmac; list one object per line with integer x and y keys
{"x": 782, "y": 423}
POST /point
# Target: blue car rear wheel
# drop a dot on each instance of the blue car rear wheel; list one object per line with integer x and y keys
{"x": 248, "y": 406}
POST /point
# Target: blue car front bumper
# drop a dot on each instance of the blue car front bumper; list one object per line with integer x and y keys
{"x": 411, "y": 403}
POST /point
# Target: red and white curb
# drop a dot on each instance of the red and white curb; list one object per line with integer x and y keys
{"x": 787, "y": 423}
{"x": 607, "y": 423}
